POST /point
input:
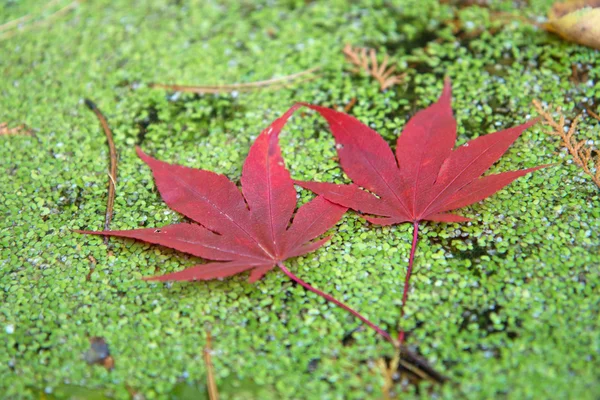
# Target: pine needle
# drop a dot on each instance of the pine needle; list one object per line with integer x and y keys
{"x": 366, "y": 60}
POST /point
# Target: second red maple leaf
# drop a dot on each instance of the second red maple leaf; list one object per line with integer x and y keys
{"x": 426, "y": 179}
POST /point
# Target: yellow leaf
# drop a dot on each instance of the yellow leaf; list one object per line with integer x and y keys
{"x": 577, "y": 21}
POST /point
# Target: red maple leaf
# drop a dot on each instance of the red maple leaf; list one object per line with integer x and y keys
{"x": 244, "y": 231}
{"x": 426, "y": 179}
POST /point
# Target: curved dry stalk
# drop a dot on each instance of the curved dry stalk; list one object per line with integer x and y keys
{"x": 366, "y": 60}
{"x": 269, "y": 83}
{"x": 592, "y": 114}
{"x": 13, "y": 28}
{"x": 583, "y": 155}
{"x": 112, "y": 182}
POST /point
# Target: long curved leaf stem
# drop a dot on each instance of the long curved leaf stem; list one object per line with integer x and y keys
{"x": 335, "y": 301}
{"x": 396, "y": 360}
{"x": 413, "y": 248}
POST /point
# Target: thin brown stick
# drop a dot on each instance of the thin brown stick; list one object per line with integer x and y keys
{"x": 350, "y": 104}
{"x": 274, "y": 82}
{"x": 417, "y": 371}
{"x": 366, "y": 60}
{"x": 213, "y": 392}
{"x": 592, "y": 114}
{"x": 347, "y": 107}
{"x": 112, "y": 175}
{"x": 93, "y": 263}
{"x": 52, "y": 17}
{"x": 582, "y": 154}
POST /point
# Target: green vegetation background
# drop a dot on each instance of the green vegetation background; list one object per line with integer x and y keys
{"x": 506, "y": 306}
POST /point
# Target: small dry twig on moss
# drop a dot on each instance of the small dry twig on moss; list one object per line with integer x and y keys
{"x": 213, "y": 392}
{"x": 17, "y": 130}
{"x": 366, "y": 60}
{"x": 350, "y": 104}
{"x": 347, "y": 107}
{"x": 93, "y": 263}
{"x": 274, "y": 83}
{"x": 13, "y": 27}
{"x": 583, "y": 155}
{"x": 592, "y": 114}
{"x": 112, "y": 175}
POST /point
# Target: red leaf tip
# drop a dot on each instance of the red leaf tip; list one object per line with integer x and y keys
{"x": 140, "y": 153}
{"x": 145, "y": 157}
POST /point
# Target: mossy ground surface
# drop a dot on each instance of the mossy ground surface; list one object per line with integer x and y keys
{"x": 506, "y": 306}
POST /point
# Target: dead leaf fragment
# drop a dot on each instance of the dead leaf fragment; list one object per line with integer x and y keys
{"x": 5, "y": 130}
{"x": 99, "y": 353}
{"x": 576, "y": 21}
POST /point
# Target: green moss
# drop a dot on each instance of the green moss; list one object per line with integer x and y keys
{"x": 505, "y": 306}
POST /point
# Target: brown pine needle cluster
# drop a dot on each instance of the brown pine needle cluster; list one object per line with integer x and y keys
{"x": 366, "y": 60}
{"x": 583, "y": 154}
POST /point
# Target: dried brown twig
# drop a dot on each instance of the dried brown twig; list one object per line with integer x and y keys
{"x": 592, "y": 114}
{"x": 274, "y": 83}
{"x": 348, "y": 107}
{"x": 112, "y": 182}
{"x": 366, "y": 60}
{"x": 583, "y": 155}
